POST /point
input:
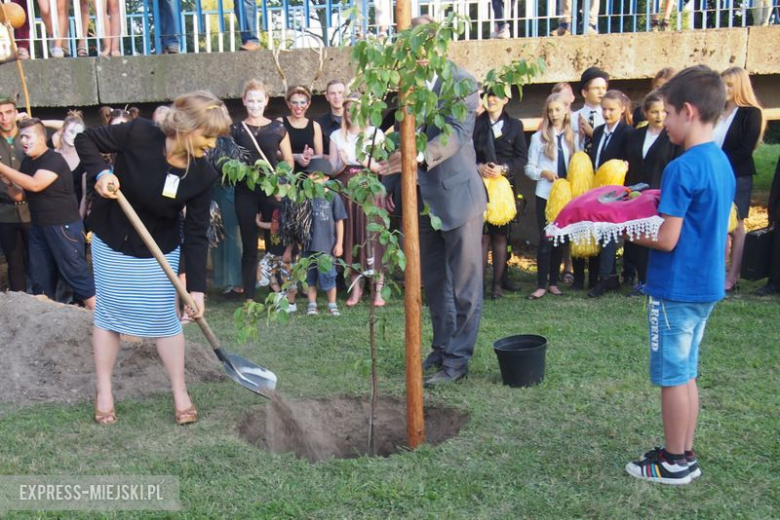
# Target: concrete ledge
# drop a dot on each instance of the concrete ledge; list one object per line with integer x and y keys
{"x": 53, "y": 82}
{"x": 635, "y": 56}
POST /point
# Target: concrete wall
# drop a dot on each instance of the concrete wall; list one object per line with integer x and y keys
{"x": 95, "y": 81}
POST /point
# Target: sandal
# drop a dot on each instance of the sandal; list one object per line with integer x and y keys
{"x": 186, "y": 416}
{"x": 105, "y": 418}
{"x": 568, "y": 277}
{"x": 82, "y": 52}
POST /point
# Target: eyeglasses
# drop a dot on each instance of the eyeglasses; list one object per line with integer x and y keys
{"x": 299, "y": 103}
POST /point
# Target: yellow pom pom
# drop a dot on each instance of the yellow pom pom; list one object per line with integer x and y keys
{"x": 560, "y": 195}
{"x": 733, "y": 218}
{"x": 580, "y": 174}
{"x": 585, "y": 248}
{"x": 611, "y": 173}
{"x": 501, "y": 208}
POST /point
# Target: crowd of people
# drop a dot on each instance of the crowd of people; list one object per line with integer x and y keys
{"x": 58, "y": 185}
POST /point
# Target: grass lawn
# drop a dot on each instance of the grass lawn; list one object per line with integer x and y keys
{"x": 766, "y": 160}
{"x": 552, "y": 451}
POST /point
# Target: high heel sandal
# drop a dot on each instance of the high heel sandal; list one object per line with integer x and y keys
{"x": 186, "y": 416}
{"x": 105, "y": 418}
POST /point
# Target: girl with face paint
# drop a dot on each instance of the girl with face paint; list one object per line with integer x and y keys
{"x": 265, "y": 140}
{"x": 71, "y": 127}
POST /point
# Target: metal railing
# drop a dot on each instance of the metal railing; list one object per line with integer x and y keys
{"x": 283, "y": 24}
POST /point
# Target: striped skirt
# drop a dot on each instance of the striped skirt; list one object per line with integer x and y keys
{"x": 134, "y": 296}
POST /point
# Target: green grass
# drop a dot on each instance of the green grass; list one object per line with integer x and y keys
{"x": 766, "y": 160}
{"x": 553, "y": 451}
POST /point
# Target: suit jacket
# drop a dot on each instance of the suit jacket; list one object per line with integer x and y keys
{"x": 616, "y": 147}
{"x": 650, "y": 168}
{"x": 510, "y": 149}
{"x": 451, "y": 185}
{"x": 741, "y": 140}
{"x": 774, "y": 196}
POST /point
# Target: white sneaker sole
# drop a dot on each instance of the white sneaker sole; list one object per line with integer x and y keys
{"x": 632, "y": 469}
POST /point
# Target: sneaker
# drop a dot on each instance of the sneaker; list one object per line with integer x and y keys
{"x": 311, "y": 310}
{"x": 654, "y": 467}
{"x": 592, "y": 29}
{"x": 638, "y": 290}
{"x": 291, "y": 307}
{"x": 333, "y": 310}
{"x": 57, "y": 52}
{"x": 501, "y": 34}
{"x": 693, "y": 465}
{"x": 171, "y": 49}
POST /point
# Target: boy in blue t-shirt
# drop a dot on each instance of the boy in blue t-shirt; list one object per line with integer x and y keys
{"x": 686, "y": 269}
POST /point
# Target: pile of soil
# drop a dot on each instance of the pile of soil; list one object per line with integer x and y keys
{"x": 316, "y": 429}
{"x": 47, "y": 356}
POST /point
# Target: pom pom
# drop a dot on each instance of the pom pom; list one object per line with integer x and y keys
{"x": 611, "y": 173}
{"x": 580, "y": 174}
{"x": 501, "y": 208}
{"x": 733, "y": 218}
{"x": 585, "y": 248}
{"x": 560, "y": 195}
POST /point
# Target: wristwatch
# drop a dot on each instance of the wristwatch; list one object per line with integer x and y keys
{"x": 504, "y": 169}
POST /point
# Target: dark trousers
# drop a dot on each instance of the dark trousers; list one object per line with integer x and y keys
{"x": 635, "y": 261}
{"x": 607, "y": 260}
{"x": 548, "y": 257}
{"x": 13, "y": 240}
{"x": 578, "y": 264}
{"x": 452, "y": 275}
{"x": 248, "y": 204}
{"x": 60, "y": 250}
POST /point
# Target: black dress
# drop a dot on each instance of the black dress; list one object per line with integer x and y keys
{"x": 300, "y": 138}
{"x": 251, "y": 202}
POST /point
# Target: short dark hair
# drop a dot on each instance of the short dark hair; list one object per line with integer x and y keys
{"x": 32, "y": 122}
{"x": 699, "y": 86}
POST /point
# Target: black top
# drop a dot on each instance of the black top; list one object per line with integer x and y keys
{"x": 510, "y": 148}
{"x": 142, "y": 170}
{"x": 300, "y": 138}
{"x": 741, "y": 140}
{"x": 55, "y": 205}
{"x": 616, "y": 147}
{"x": 268, "y": 137}
{"x": 329, "y": 124}
{"x": 648, "y": 169}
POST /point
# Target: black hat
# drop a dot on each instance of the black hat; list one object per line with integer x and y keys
{"x": 318, "y": 164}
{"x": 590, "y": 74}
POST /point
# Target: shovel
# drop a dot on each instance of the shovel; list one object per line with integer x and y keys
{"x": 247, "y": 374}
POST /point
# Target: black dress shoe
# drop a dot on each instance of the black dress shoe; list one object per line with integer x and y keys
{"x": 599, "y": 290}
{"x": 432, "y": 361}
{"x": 444, "y": 376}
{"x": 767, "y": 290}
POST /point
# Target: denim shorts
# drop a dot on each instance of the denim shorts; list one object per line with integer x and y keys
{"x": 676, "y": 330}
{"x": 324, "y": 280}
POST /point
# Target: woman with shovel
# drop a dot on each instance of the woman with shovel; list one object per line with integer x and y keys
{"x": 160, "y": 170}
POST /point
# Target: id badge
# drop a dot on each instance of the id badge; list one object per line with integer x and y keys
{"x": 171, "y": 186}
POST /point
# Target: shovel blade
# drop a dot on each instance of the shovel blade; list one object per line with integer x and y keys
{"x": 249, "y": 375}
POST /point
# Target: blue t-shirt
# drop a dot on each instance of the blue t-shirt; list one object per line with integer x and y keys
{"x": 698, "y": 187}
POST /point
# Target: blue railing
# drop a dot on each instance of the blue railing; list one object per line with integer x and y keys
{"x": 282, "y": 24}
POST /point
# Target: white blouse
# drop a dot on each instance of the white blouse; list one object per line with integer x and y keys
{"x": 348, "y": 144}
{"x": 539, "y": 162}
{"x": 650, "y": 138}
{"x": 722, "y": 128}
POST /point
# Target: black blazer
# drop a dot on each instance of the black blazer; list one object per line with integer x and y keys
{"x": 650, "y": 168}
{"x": 741, "y": 140}
{"x": 510, "y": 149}
{"x": 616, "y": 147}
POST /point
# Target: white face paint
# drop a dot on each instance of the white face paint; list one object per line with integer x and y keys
{"x": 70, "y": 133}
{"x": 255, "y": 102}
{"x": 33, "y": 143}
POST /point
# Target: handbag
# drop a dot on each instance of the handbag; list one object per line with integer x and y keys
{"x": 756, "y": 255}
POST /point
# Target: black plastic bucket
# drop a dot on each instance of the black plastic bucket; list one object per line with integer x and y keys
{"x": 521, "y": 359}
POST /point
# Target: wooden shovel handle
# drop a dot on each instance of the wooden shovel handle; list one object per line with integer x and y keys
{"x": 132, "y": 216}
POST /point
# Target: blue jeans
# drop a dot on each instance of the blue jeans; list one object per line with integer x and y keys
{"x": 60, "y": 249}
{"x": 246, "y": 12}
{"x": 498, "y": 13}
{"x": 170, "y": 11}
{"x": 676, "y": 331}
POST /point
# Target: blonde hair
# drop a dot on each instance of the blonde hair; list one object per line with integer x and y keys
{"x": 254, "y": 84}
{"x": 196, "y": 110}
{"x": 352, "y": 98}
{"x": 74, "y": 116}
{"x": 547, "y": 131}
{"x": 744, "y": 96}
{"x": 297, "y": 89}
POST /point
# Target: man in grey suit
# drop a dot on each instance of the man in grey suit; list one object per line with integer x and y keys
{"x": 451, "y": 257}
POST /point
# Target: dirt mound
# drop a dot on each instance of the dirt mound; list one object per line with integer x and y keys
{"x": 317, "y": 429}
{"x": 47, "y": 355}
